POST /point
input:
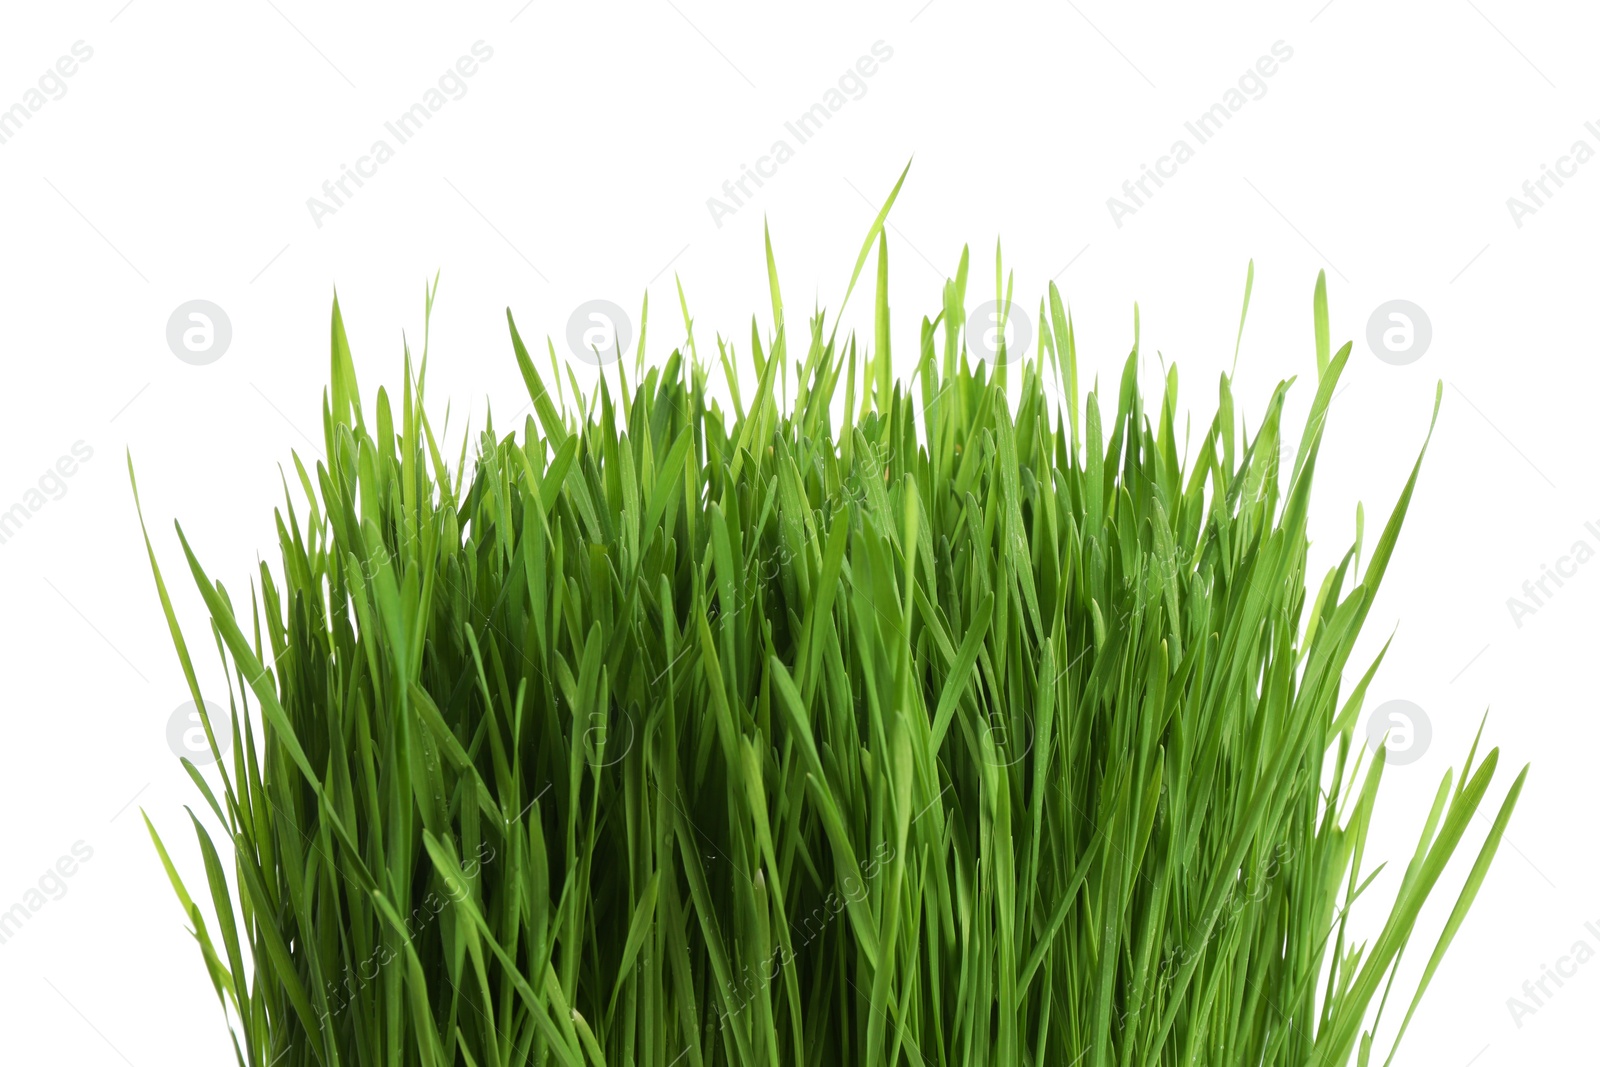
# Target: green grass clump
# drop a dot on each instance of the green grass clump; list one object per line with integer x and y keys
{"x": 965, "y": 727}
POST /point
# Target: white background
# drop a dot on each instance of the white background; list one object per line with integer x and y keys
{"x": 577, "y": 165}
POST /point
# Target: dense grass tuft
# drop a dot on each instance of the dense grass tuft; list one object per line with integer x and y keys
{"x": 957, "y": 723}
